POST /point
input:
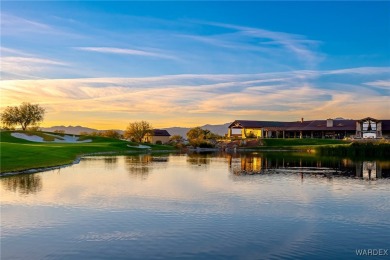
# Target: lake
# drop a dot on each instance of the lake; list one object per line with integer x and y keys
{"x": 218, "y": 206}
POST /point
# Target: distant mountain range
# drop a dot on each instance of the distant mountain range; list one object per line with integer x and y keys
{"x": 75, "y": 130}
{"x": 217, "y": 129}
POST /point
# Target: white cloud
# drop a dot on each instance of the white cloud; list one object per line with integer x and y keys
{"x": 242, "y": 38}
{"x": 382, "y": 84}
{"x": 179, "y": 98}
{"x": 359, "y": 70}
{"x": 22, "y": 24}
{"x": 29, "y": 29}
{"x": 127, "y": 52}
{"x": 28, "y": 66}
{"x": 12, "y": 51}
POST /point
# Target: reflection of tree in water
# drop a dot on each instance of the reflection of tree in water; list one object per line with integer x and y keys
{"x": 138, "y": 166}
{"x": 24, "y": 184}
{"x": 199, "y": 158}
{"x": 110, "y": 162}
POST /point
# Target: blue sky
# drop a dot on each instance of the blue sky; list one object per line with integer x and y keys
{"x": 104, "y": 64}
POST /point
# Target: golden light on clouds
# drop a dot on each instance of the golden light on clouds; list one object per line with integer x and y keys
{"x": 180, "y": 100}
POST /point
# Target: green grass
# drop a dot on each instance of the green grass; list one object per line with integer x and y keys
{"x": 18, "y": 154}
{"x": 365, "y": 150}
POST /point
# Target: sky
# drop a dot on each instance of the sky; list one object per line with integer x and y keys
{"x": 106, "y": 64}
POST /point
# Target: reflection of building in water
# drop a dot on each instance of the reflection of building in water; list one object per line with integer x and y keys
{"x": 251, "y": 164}
{"x": 262, "y": 162}
{"x": 369, "y": 170}
{"x": 24, "y": 184}
{"x": 258, "y": 162}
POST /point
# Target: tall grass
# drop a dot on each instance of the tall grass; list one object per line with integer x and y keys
{"x": 357, "y": 149}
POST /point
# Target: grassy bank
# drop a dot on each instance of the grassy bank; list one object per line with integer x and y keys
{"x": 17, "y": 154}
{"x": 358, "y": 149}
{"x": 330, "y": 147}
{"x": 297, "y": 144}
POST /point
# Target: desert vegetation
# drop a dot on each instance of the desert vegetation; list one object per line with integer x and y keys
{"x": 136, "y": 131}
{"x": 25, "y": 115}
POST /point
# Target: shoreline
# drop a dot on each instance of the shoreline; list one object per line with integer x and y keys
{"x": 143, "y": 151}
{"x": 75, "y": 161}
{"x": 333, "y": 151}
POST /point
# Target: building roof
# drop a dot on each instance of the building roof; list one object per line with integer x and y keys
{"x": 255, "y": 124}
{"x": 159, "y": 132}
{"x": 314, "y": 125}
{"x": 320, "y": 125}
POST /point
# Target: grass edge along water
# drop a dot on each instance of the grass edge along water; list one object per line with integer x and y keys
{"x": 18, "y": 154}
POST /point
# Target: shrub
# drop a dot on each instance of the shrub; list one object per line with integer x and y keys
{"x": 59, "y": 131}
{"x": 205, "y": 145}
{"x": 158, "y": 142}
{"x": 33, "y": 128}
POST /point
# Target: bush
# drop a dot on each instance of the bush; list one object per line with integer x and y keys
{"x": 251, "y": 135}
{"x": 358, "y": 149}
{"x": 205, "y": 145}
{"x": 158, "y": 142}
{"x": 59, "y": 131}
{"x": 33, "y": 128}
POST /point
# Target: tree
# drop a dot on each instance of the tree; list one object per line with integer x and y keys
{"x": 199, "y": 137}
{"x": 26, "y": 114}
{"x": 59, "y": 132}
{"x": 111, "y": 134}
{"x": 138, "y": 130}
{"x": 196, "y": 133}
{"x": 176, "y": 139}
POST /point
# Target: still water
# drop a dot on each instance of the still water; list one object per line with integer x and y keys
{"x": 246, "y": 206}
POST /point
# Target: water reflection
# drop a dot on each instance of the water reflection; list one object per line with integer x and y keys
{"x": 110, "y": 162}
{"x": 199, "y": 158}
{"x": 168, "y": 207}
{"x": 261, "y": 163}
{"x": 24, "y": 184}
{"x": 139, "y": 166}
{"x": 369, "y": 170}
{"x": 239, "y": 165}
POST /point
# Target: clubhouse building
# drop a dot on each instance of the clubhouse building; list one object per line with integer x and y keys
{"x": 330, "y": 128}
{"x": 157, "y": 136}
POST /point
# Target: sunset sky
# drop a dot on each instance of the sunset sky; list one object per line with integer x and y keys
{"x": 105, "y": 64}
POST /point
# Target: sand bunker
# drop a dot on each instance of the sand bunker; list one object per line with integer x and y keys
{"x": 58, "y": 138}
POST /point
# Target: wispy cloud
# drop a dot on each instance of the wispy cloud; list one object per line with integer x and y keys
{"x": 360, "y": 70}
{"x": 27, "y": 67}
{"x": 262, "y": 40}
{"x": 385, "y": 84}
{"x": 10, "y": 51}
{"x": 134, "y": 52}
{"x": 22, "y": 24}
{"x": 171, "y": 99}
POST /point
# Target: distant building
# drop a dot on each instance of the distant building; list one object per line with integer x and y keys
{"x": 330, "y": 128}
{"x": 156, "y": 136}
